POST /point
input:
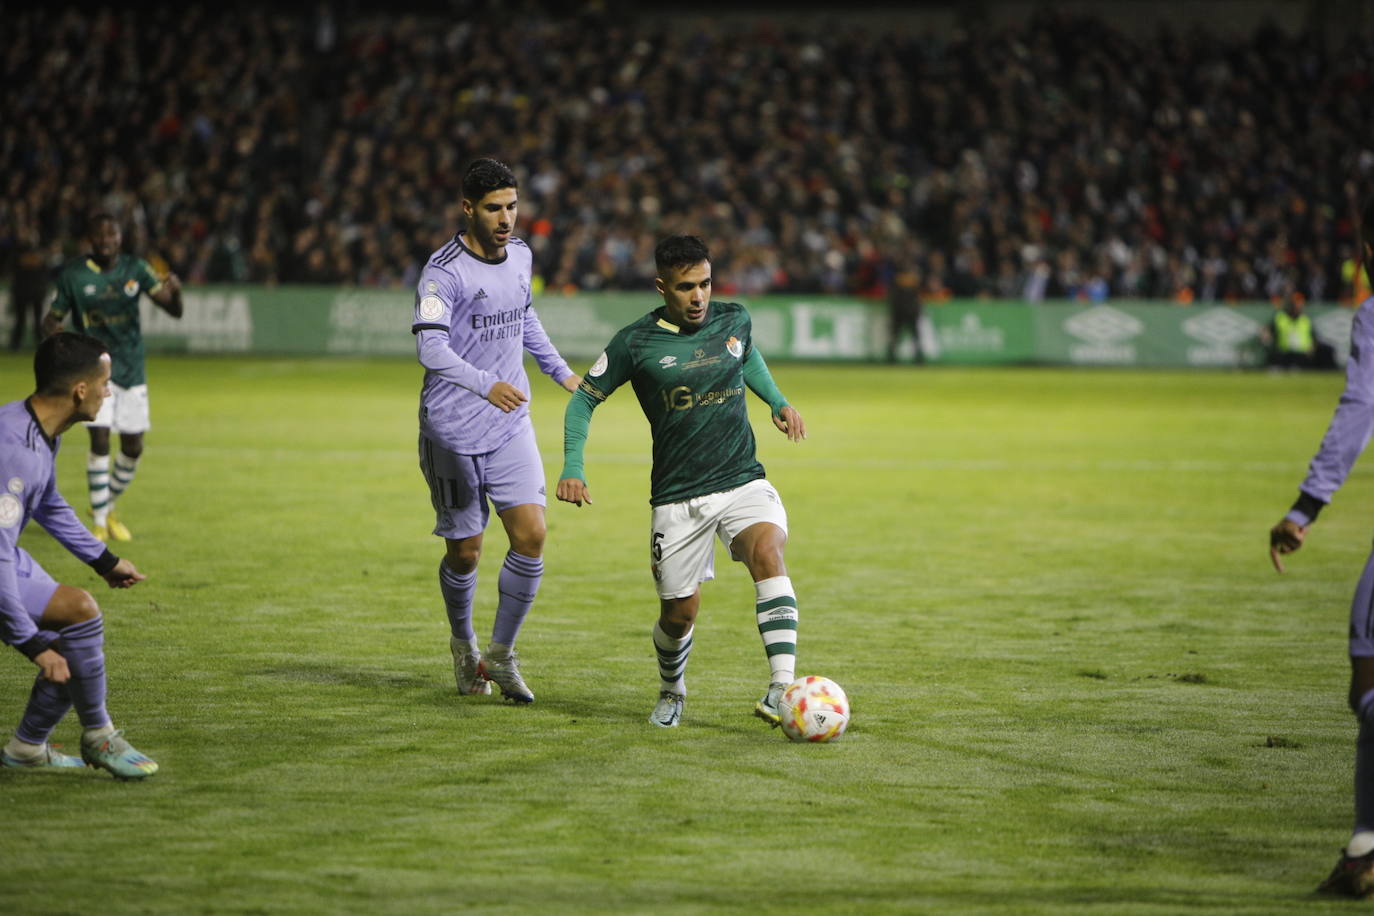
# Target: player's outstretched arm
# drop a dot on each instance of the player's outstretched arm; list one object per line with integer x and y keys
{"x": 577, "y": 421}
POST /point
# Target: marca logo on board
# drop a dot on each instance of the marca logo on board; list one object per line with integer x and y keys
{"x": 1106, "y": 336}
{"x": 1223, "y": 332}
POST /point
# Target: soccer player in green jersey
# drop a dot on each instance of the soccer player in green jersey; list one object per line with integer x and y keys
{"x": 101, "y": 292}
{"x": 689, "y": 362}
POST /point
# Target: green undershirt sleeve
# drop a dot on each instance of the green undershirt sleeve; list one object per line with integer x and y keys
{"x": 577, "y": 419}
{"x": 760, "y": 381}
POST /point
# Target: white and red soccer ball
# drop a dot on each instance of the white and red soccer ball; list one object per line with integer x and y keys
{"x": 813, "y": 709}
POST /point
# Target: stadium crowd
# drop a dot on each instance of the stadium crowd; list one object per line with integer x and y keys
{"x": 1059, "y": 158}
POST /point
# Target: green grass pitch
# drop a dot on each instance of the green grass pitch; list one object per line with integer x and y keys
{"x": 1078, "y": 685}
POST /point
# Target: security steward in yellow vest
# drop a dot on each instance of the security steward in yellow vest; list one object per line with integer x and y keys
{"x": 1292, "y": 343}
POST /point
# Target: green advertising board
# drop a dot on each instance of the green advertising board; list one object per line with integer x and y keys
{"x": 328, "y": 320}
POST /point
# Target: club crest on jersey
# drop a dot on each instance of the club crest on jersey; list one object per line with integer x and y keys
{"x": 89, "y": 289}
{"x": 131, "y": 288}
{"x": 15, "y": 486}
{"x": 668, "y": 362}
{"x": 11, "y": 510}
{"x": 734, "y": 347}
{"x": 431, "y": 308}
{"x": 599, "y": 367}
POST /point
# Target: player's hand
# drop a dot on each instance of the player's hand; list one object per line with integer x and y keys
{"x": 124, "y": 575}
{"x": 790, "y": 422}
{"x": 1285, "y": 537}
{"x": 571, "y": 383}
{"x": 52, "y": 666}
{"x": 506, "y": 396}
{"x": 573, "y": 490}
{"x": 173, "y": 283}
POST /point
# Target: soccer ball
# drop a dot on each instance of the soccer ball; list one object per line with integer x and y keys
{"x": 813, "y": 709}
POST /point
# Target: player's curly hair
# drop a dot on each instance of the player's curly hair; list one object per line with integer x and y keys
{"x": 484, "y": 176}
{"x": 64, "y": 359}
{"x": 678, "y": 251}
{"x": 96, "y": 217}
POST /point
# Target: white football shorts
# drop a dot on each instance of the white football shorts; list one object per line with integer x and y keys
{"x": 125, "y": 410}
{"x": 682, "y": 542}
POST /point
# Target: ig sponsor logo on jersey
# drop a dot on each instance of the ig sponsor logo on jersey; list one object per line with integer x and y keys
{"x": 668, "y": 362}
{"x": 431, "y": 308}
{"x": 735, "y": 347}
{"x": 11, "y": 510}
{"x": 599, "y": 367}
{"x": 131, "y": 288}
{"x": 15, "y": 486}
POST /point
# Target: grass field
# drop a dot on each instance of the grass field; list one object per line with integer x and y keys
{"x": 1078, "y": 684}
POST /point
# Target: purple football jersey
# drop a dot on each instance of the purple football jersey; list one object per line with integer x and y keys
{"x": 1351, "y": 424}
{"x": 28, "y": 489}
{"x": 485, "y": 309}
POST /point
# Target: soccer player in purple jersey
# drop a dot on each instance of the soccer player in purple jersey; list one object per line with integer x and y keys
{"x": 474, "y": 320}
{"x": 57, "y": 627}
{"x": 1346, "y": 437}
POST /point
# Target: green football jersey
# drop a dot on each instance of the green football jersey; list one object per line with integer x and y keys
{"x": 690, "y": 385}
{"x": 104, "y": 304}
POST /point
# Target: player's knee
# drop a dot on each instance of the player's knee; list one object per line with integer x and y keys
{"x": 72, "y": 606}
{"x": 765, "y": 559}
{"x": 131, "y": 446}
{"x": 462, "y": 558}
{"x": 529, "y": 540}
{"x": 85, "y": 606}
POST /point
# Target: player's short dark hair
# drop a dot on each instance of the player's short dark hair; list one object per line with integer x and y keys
{"x": 96, "y": 217}
{"x": 678, "y": 251}
{"x": 484, "y": 176}
{"x": 64, "y": 359}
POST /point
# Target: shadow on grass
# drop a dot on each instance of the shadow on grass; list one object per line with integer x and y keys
{"x": 345, "y": 677}
{"x": 628, "y": 708}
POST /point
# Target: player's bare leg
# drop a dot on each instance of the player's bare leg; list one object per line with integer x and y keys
{"x": 760, "y": 547}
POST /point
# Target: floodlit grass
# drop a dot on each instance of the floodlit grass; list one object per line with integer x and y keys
{"x": 1078, "y": 685}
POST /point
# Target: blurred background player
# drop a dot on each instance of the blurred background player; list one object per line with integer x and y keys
{"x": 1346, "y": 437}
{"x": 689, "y": 362}
{"x": 57, "y": 627}
{"x": 101, "y": 291}
{"x": 474, "y": 320}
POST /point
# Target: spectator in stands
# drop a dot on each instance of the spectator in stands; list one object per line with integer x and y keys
{"x": 298, "y": 147}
